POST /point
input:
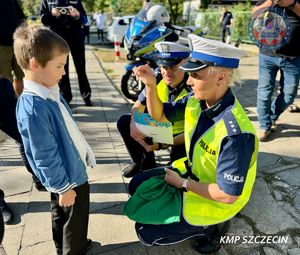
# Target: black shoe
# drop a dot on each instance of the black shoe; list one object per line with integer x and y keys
{"x": 88, "y": 102}
{"x": 6, "y": 212}
{"x": 212, "y": 244}
{"x": 89, "y": 244}
{"x": 131, "y": 170}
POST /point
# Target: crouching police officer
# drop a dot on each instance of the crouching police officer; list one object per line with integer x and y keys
{"x": 66, "y": 18}
{"x": 171, "y": 88}
{"x": 218, "y": 174}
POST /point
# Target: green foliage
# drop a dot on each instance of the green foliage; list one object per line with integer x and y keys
{"x": 113, "y": 7}
{"x": 204, "y": 4}
{"x": 210, "y": 18}
{"x": 31, "y": 7}
{"x": 176, "y": 8}
{"x": 127, "y": 7}
{"x": 92, "y": 6}
{"x": 242, "y": 14}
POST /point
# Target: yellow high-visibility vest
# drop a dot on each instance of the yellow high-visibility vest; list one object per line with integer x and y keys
{"x": 198, "y": 210}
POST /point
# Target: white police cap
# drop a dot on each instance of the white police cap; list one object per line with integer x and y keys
{"x": 206, "y": 52}
{"x": 171, "y": 53}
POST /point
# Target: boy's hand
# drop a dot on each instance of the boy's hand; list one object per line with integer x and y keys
{"x": 67, "y": 198}
{"x": 148, "y": 147}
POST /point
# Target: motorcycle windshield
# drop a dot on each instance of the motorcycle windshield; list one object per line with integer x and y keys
{"x": 127, "y": 33}
{"x": 153, "y": 35}
{"x": 138, "y": 26}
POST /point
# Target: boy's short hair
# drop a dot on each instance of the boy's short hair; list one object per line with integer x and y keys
{"x": 39, "y": 42}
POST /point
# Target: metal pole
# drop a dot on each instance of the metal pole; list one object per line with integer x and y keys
{"x": 188, "y": 19}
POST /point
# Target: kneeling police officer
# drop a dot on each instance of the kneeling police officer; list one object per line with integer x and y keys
{"x": 218, "y": 174}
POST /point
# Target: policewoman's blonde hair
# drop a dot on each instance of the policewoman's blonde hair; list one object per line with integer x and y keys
{"x": 233, "y": 75}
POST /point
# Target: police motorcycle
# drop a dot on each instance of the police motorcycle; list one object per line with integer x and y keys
{"x": 144, "y": 31}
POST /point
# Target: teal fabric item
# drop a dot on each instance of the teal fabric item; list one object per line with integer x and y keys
{"x": 154, "y": 202}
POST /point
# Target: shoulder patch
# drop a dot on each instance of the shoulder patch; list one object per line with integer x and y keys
{"x": 231, "y": 124}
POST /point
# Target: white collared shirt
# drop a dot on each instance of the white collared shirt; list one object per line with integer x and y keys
{"x": 85, "y": 151}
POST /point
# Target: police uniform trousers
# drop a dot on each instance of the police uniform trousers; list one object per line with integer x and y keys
{"x": 164, "y": 234}
{"x": 75, "y": 40}
{"x": 136, "y": 151}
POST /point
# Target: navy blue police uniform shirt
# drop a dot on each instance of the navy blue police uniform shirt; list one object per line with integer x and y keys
{"x": 63, "y": 22}
{"x": 235, "y": 151}
{"x": 173, "y": 93}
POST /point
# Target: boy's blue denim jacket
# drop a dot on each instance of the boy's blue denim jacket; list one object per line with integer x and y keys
{"x": 48, "y": 145}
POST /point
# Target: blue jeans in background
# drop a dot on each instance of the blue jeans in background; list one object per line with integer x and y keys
{"x": 267, "y": 109}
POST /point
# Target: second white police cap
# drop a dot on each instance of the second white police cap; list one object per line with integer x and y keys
{"x": 171, "y": 53}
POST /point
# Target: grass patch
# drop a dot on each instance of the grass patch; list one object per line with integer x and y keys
{"x": 115, "y": 76}
{"x": 109, "y": 56}
{"x": 109, "y": 71}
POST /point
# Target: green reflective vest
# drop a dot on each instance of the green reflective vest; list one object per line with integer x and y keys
{"x": 198, "y": 210}
{"x": 163, "y": 94}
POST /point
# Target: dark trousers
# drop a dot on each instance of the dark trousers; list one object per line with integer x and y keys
{"x": 137, "y": 152}
{"x": 224, "y": 30}
{"x": 75, "y": 39}
{"x": 164, "y": 234}
{"x": 86, "y": 30}
{"x": 1, "y": 218}
{"x": 1, "y": 228}
{"x": 70, "y": 224}
{"x": 8, "y": 120}
{"x": 100, "y": 33}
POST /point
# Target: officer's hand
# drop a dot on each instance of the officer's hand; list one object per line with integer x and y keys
{"x": 283, "y": 3}
{"x": 55, "y": 12}
{"x": 173, "y": 178}
{"x": 147, "y": 147}
{"x": 67, "y": 198}
{"x": 155, "y": 146}
{"x": 74, "y": 12}
{"x": 135, "y": 133}
{"x": 145, "y": 74}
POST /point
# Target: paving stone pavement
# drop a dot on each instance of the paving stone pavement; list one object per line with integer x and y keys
{"x": 273, "y": 208}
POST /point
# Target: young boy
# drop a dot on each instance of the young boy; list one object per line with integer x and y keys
{"x": 56, "y": 149}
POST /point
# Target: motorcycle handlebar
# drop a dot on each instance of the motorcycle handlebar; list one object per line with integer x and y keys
{"x": 168, "y": 25}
